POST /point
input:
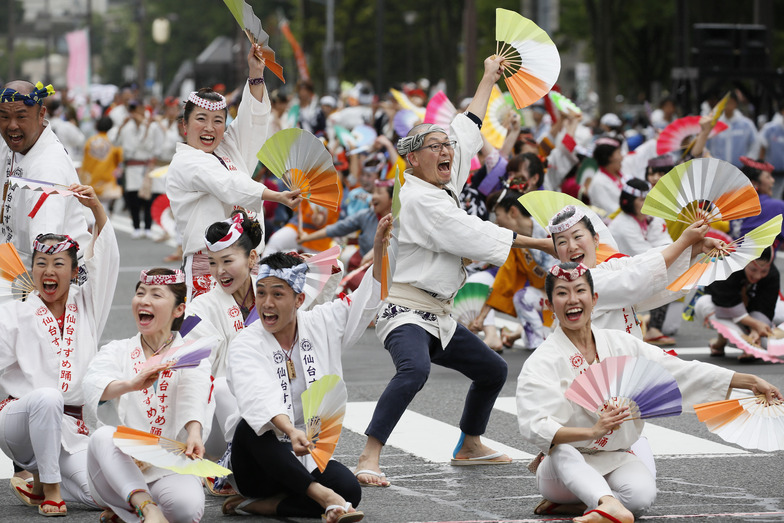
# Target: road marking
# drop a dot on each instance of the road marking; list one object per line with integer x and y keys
{"x": 664, "y": 441}
{"x": 422, "y": 436}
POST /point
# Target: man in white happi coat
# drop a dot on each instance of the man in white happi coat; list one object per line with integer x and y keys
{"x": 415, "y": 323}
{"x": 30, "y": 149}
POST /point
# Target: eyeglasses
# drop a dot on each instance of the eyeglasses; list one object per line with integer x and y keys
{"x": 436, "y": 147}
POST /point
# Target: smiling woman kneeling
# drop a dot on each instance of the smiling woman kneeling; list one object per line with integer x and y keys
{"x": 587, "y": 461}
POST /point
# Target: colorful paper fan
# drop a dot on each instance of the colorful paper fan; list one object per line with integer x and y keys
{"x": 718, "y": 109}
{"x": 323, "y": 406}
{"x": 752, "y": 422}
{"x": 469, "y": 301}
{"x": 15, "y": 282}
{"x": 672, "y": 137}
{"x": 564, "y": 104}
{"x": 543, "y": 205}
{"x": 188, "y": 324}
{"x": 362, "y": 137}
{"x": 440, "y": 111}
{"x": 344, "y": 136}
{"x": 702, "y": 189}
{"x": 494, "y": 124}
{"x": 319, "y": 270}
{"x": 741, "y": 340}
{"x": 42, "y": 186}
{"x": 159, "y": 172}
{"x": 251, "y": 24}
{"x": 404, "y": 121}
{"x": 165, "y": 453}
{"x": 645, "y": 386}
{"x": 301, "y": 161}
{"x": 718, "y": 264}
{"x": 186, "y": 355}
{"x": 405, "y": 103}
{"x": 532, "y": 63}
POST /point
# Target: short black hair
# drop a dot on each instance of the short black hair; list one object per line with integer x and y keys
{"x": 282, "y": 260}
{"x": 104, "y": 124}
{"x": 208, "y": 94}
{"x": 752, "y": 173}
{"x": 535, "y": 166}
{"x": 549, "y": 281}
{"x": 511, "y": 199}
{"x": 627, "y": 198}
{"x": 603, "y": 152}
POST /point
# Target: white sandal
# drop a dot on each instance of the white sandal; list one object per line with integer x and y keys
{"x": 347, "y": 517}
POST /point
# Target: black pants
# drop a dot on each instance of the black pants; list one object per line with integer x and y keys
{"x": 135, "y": 205}
{"x": 658, "y": 315}
{"x": 264, "y": 467}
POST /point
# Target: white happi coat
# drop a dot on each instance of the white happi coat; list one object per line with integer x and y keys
{"x": 179, "y": 396}
{"x": 138, "y": 143}
{"x": 32, "y": 353}
{"x": 435, "y": 235}
{"x": 257, "y": 366}
{"x": 47, "y": 160}
{"x": 632, "y": 239}
{"x": 220, "y": 317}
{"x": 542, "y": 407}
{"x": 203, "y": 191}
{"x": 634, "y": 283}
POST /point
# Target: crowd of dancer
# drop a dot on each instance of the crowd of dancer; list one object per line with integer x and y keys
{"x": 460, "y": 200}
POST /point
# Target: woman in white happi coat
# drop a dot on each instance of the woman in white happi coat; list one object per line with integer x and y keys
{"x": 210, "y": 174}
{"x": 587, "y": 459}
{"x": 271, "y": 363}
{"x": 224, "y": 309}
{"x": 173, "y": 404}
{"x": 636, "y": 233}
{"x": 46, "y": 344}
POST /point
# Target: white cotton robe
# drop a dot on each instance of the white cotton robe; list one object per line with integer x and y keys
{"x": 542, "y": 407}
{"x": 29, "y": 358}
{"x": 48, "y": 161}
{"x": 436, "y": 234}
{"x": 185, "y": 398}
{"x": 256, "y": 370}
{"x": 202, "y": 190}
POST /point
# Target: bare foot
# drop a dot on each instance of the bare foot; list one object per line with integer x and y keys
{"x": 369, "y": 460}
{"x": 608, "y": 505}
{"x": 717, "y": 346}
{"x": 24, "y": 474}
{"x": 508, "y": 338}
{"x": 153, "y": 514}
{"x": 474, "y": 448}
{"x": 492, "y": 339}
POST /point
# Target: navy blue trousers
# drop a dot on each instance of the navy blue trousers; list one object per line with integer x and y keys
{"x": 413, "y": 349}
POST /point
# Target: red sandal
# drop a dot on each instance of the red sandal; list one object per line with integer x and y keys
{"x": 21, "y": 490}
{"x": 49, "y": 502}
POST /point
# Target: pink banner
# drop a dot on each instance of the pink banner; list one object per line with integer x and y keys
{"x": 78, "y": 76}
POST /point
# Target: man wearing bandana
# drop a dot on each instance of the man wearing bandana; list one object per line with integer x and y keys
{"x": 30, "y": 149}
{"x": 415, "y": 323}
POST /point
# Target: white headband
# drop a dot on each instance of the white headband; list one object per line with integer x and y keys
{"x": 555, "y": 228}
{"x": 294, "y": 276}
{"x": 207, "y": 104}
{"x": 235, "y": 231}
{"x": 162, "y": 279}
{"x": 637, "y": 193}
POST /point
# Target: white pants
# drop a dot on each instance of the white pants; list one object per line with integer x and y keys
{"x": 704, "y": 308}
{"x": 30, "y": 430}
{"x": 528, "y": 303}
{"x": 114, "y": 476}
{"x": 564, "y": 477}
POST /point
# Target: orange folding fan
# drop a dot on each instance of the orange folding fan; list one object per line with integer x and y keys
{"x": 15, "y": 282}
{"x": 251, "y": 24}
{"x": 301, "y": 161}
{"x": 323, "y": 406}
{"x": 752, "y": 422}
{"x": 702, "y": 189}
{"x": 531, "y": 60}
{"x": 165, "y": 453}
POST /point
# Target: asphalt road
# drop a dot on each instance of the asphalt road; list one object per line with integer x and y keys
{"x": 700, "y": 477}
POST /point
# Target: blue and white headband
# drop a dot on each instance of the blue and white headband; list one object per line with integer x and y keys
{"x": 294, "y": 276}
{"x": 409, "y": 144}
{"x": 36, "y": 97}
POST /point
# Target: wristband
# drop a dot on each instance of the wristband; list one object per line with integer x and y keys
{"x": 256, "y": 81}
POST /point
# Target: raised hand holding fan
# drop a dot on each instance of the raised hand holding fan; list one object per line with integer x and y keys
{"x": 251, "y": 25}
{"x": 323, "y": 406}
{"x": 643, "y": 385}
{"x": 704, "y": 189}
{"x": 531, "y": 60}
{"x": 165, "y": 453}
{"x": 672, "y": 137}
{"x": 389, "y": 259}
{"x": 718, "y": 264}
{"x": 302, "y": 162}
{"x": 15, "y": 282}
